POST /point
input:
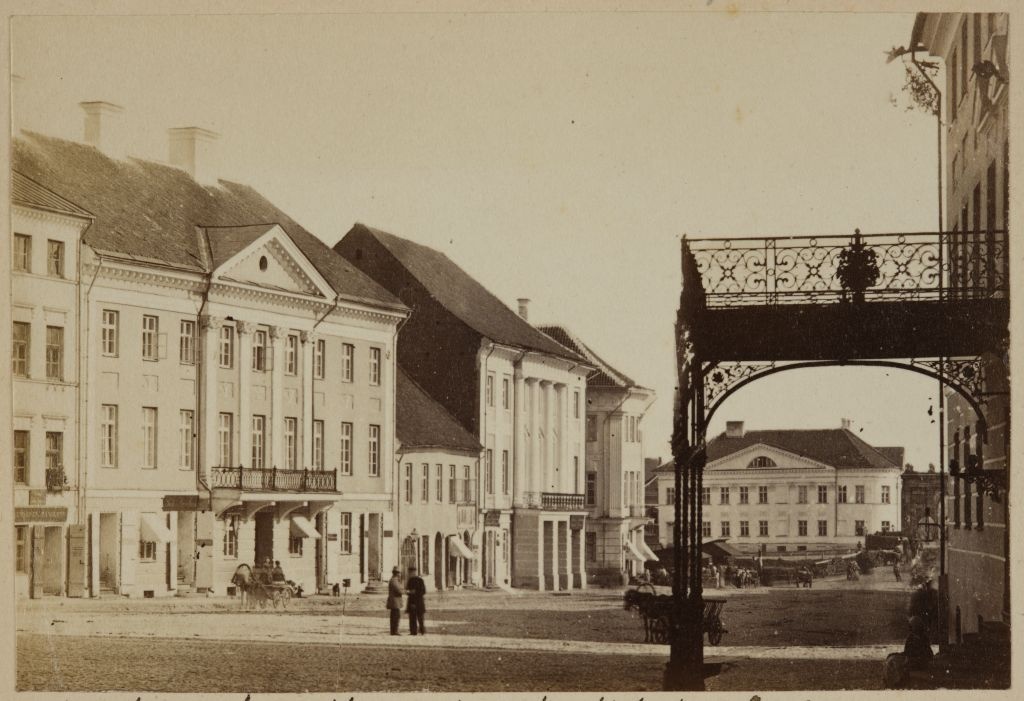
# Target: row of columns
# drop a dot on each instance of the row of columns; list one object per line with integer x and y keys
{"x": 210, "y": 344}
{"x": 540, "y": 466}
{"x": 560, "y": 560}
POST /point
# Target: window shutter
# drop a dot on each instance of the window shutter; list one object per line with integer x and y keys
{"x": 161, "y": 346}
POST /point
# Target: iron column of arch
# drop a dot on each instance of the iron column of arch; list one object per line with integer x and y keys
{"x": 685, "y": 668}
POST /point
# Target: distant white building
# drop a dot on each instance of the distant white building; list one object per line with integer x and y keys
{"x": 784, "y": 491}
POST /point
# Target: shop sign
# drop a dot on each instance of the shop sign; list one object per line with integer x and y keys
{"x": 47, "y": 514}
{"x": 183, "y": 502}
{"x": 37, "y": 497}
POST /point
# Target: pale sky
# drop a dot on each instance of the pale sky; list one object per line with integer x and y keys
{"x": 558, "y": 157}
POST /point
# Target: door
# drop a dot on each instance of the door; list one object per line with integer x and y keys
{"x": 373, "y": 561}
{"x": 362, "y": 548}
{"x": 109, "y": 551}
{"x": 439, "y": 561}
{"x": 186, "y": 548}
{"x": 36, "y": 569}
{"x": 321, "y": 552}
{"x": 264, "y": 537}
{"x": 76, "y": 560}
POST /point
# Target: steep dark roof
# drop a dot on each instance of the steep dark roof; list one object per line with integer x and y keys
{"x": 149, "y": 211}
{"x": 606, "y": 375}
{"x": 226, "y": 241}
{"x": 26, "y": 191}
{"x": 837, "y": 447}
{"x": 421, "y": 423}
{"x": 464, "y": 297}
{"x": 892, "y": 454}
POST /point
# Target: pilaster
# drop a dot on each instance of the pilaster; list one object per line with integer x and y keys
{"x": 243, "y": 334}
{"x": 277, "y": 338}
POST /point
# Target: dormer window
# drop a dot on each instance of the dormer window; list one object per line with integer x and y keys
{"x": 762, "y": 461}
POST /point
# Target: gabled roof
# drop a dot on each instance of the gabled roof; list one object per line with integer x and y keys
{"x": 837, "y": 447}
{"x": 463, "y": 296}
{"x": 422, "y": 423}
{"x": 606, "y": 375}
{"x": 226, "y": 241}
{"x": 149, "y": 211}
{"x": 27, "y": 192}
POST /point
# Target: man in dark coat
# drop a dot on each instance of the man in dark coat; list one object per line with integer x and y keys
{"x": 394, "y": 604}
{"x": 416, "y": 590}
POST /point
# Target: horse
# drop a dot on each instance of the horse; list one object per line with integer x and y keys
{"x": 242, "y": 579}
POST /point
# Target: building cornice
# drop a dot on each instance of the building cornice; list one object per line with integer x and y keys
{"x": 32, "y": 212}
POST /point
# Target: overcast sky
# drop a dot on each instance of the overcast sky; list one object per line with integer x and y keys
{"x": 558, "y": 157}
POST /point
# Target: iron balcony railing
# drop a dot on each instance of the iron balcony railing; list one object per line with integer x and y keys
{"x": 56, "y": 479}
{"x": 874, "y": 267}
{"x": 554, "y": 501}
{"x": 273, "y": 480}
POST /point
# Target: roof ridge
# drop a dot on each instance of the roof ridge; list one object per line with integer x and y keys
{"x": 857, "y": 439}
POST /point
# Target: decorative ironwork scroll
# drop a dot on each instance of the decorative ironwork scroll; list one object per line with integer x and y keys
{"x": 803, "y": 270}
{"x": 967, "y": 373}
{"x": 723, "y": 376}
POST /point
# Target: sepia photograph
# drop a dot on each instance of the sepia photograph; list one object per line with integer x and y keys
{"x": 453, "y": 348}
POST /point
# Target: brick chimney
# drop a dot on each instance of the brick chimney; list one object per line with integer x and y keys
{"x": 845, "y": 424}
{"x": 524, "y": 308}
{"x": 194, "y": 150}
{"x": 104, "y": 127}
{"x": 734, "y": 429}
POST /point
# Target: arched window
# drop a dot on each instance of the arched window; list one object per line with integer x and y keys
{"x": 762, "y": 461}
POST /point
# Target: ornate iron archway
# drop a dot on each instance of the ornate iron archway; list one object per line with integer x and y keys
{"x": 750, "y": 308}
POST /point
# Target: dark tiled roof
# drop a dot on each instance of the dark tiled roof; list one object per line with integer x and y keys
{"x": 421, "y": 423}
{"x": 606, "y": 375}
{"x": 466, "y": 298}
{"x": 837, "y": 447}
{"x": 226, "y": 241}
{"x": 149, "y": 211}
{"x": 26, "y": 191}
{"x": 892, "y": 454}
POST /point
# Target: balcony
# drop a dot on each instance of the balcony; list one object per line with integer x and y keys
{"x": 554, "y": 501}
{"x": 273, "y": 480}
{"x": 56, "y": 479}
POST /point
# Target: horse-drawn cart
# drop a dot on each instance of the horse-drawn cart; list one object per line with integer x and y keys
{"x": 657, "y": 610}
{"x": 260, "y": 590}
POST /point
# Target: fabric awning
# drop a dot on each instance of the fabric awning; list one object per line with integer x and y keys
{"x": 634, "y": 552}
{"x": 154, "y": 530}
{"x": 648, "y": 553}
{"x": 302, "y": 528}
{"x": 461, "y": 549}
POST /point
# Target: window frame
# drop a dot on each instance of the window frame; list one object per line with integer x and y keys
{"x": 439, "y": 483}
{"x": 55, "y": 353}
{"x": 21, "y": 260}
{"x": 226, "y": 347}
{"x": 744, "y": 494}
{"x": 762, "y": 529}
{"x": 319, "y": 358}
{"x": 186, "y": 442}
{"x": 407, "y": 483}
{"x": 345, "y": 533}
{"x": 801, "y": 528}
{"x": 110, "y": 333}
{"x": 291, "y": 354}
{"x": 291, "y": 443}
{"x": 22, "y": 549}
{"x": 229, "y": 538}
{"x": 726, "y": 528}
{"x": 258, "y": 427}
{"x": 489, "y": 390}
{"x": 425, "y": 482}
{"x": 374, "y": 449}
{"x": 886, "y": 494}
{"x": 504, "y": 472}
{"x": 802, "y": 494}
{"x": 150, "y": 337}
{"x": 762, "y": 494}
{"x": 859, "y": 494}
{"x": 822, "y": 493}
{"x": 822, "y": 528}
{"x": 376, "y": 369}
{"x": 55, "y": 263}
{"x": 108, "y": 435}
{"x": 22, "y": 359}
{"x": 21, "y": 456}
{"x": 506, "y": 403}
{"x": 348, "y": 362}
{"x": 226, "y": 438}
{"x": 147, "y": 550}
{"x": 295, "y": 545}
{"x": 187, "y": 342}
{"x": 345, "y": 448}
{"x": 859, "y": 528}
{"x": 744, "y": 529}
{"x": 318, "y": 445}
{"x": 452, "y": 484}
{"x": 591, "y": 428}
{"x": 260, "y": 341}
{"x": 150, "y": 451}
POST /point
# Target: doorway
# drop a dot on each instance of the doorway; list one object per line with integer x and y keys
{"x": 373, "y": 547}
{"x": 439, "y": 561}
{"x": 321, "y": 552}
{"x": 110, "y": 552}
{"x": 186, "y": 548}
{"x": 264, "y": 537}
{"x": 53, "y": 561}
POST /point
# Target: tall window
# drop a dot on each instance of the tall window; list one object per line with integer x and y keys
{"x": 670, "y": 495}
{"x": 841, "y": 494}
{"x": 23, "y": 253}
{"x": 576, "y": 404}
{"x": 186, "y": 428}
{"x": 762, "y": 529}
{"x": 147, "y": 550}
{"x": 744, "y": 495}
{"x": 295, "y": 544}
{"x": 21, "y": 549}
{"x": 723, "y": 495}
{"x": 858, "y": 494}
{"x": 822, "y": 528}
{"x": 591, "y": 488}
{"x": 762, "y": 494}
{"x": 318, "y": 444}
{"x": 150, "y": 332}
{"x": 108, "y": 435}
{"x": 452, "y": 484}
{"x": 54, "y": 450}
{"x": 345, "y": 534}
{"x": 506, "y": 400}
{"x": 148, "y": 436}
{"x": 55, "y": 258}
{"x": 348, "y": 356}
{"x": 425, "y": 483}
{"x": 726, "y": 529}
{"x": 319, "y": 355}
{"x": 291, "y": 354}
{"x": 576, "y": 473}
{"x": 744, "y": 529}
{"x": 225, "y": 436}
{"x": 886, "y": 526}
{"x": 591, "y": 428}
{"x": 489, "y": 390}
{"x": 291, "y": 449}
{"x": 21, "y": 457}
{"x": 439, "y": 483}
{"x": 822, "y": 494}
{"x": 408, "y": 483}
{"x": 705, "y": 495}
{"x": 885, "y": 494}
{"x": 375, "y": 366}
{"x": 346, "y": 448}
{"x": 504, "y": 472}
{"x": 858, "y": 527}
{"x": 705, "y": 529}
{"x": 374, "y": 450}
{"x": 227, "y": 346}
{"x": 109, "y": 332}
{"x": 489, "y": 471}
{"x": 21, "y": 335}
{"x": 259, "y": 426}
{"x": 801, "y": 528}
{"x": 187, "y": 342}
{"x": 55, "y": 352}
{"x": 801, "y": 494}
{"x": 468, "y": 495}
{"x": 259, "y": 350}
{"x": 231, "y": 536}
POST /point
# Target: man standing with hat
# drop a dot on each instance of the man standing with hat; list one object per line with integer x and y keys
{"x": 394, "y": 605}
{"x": 416, "y": 589}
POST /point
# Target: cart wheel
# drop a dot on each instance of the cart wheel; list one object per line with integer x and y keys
{"x": 715, "y": 634}
{"x": 661, "y": 628}
{"x": 646, "y": 587}
{"x": 286, "y": 595}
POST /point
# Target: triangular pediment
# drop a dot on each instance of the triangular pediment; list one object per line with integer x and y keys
{"x": 762, "y": 456}
{"x": 266, "y": 257}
